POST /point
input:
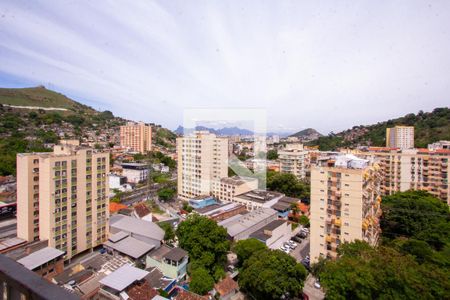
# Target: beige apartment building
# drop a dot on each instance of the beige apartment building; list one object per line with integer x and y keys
{"x": 202, "y": 159}
{"x": 294, "y": 160}
{"x": 345, "y": 204}
{"x": 400, "y": 137}
{"x": 62, "y": 197}
{"x": 226, "y": 189}
{"x": 416, "y": 169}
{"x": 136, "y": 136}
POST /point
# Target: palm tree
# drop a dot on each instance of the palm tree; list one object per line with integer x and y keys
{"x": 294, "y": 208}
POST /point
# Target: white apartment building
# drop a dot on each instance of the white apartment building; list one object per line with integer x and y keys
{"x": 400, "y": 137}
{"x": 345, "y": 204}
{"x": 135, "y": 172}
{"x": 62, "y": 197}
{"x": 202, "y": 159}
{"x": 294, "y": 160}
{"x": 226, "y": 189}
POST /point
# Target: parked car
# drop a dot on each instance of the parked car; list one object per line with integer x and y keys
{"x": 297, "y": 239}
{"x": 317, "y": 284}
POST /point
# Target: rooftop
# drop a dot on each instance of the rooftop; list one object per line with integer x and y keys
{"x": 240, "y": 223}
{"x": 123, "y": 277}
{"x": 226, "y": 286}
{"x": 284, "y": 203}
{"x": 137, "y": 226}
{"x": 130, "y": 246}
{"x": 237, "y": 180}
{"x": 260, "y": 196}
{"x": 175, "y": 254}
{"x": 40, "y": 257}
{"x": 141, "y": 210}
{"x": 260, "y": 234}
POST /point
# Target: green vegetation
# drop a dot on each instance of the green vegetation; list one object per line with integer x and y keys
{"x": 166, "y": 193}
{"x": 39, "y": 96}
{"x": 169, "y": 233}
{"x": 288, "y": 184}
{"x": 272, "y": 154}
{"x": 246, "y": 248}
{"x": 206, "y": 243}
{"x": 201, "y": 281}
{"x": 428, "y": 128}
{"x": 412, "y": 262}
{"x": 269, "y": 274}
{"x": 306, "y": 133}
{"x": 363, "y": 272}
{"x": 304, "y": 221}
{"x": 187, "y": 207}
{"x": 164, "y": 137}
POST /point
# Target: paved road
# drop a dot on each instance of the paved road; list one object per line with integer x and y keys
{"x": 312, "y": 292}
{"x": 302, "y": 250}
{"x": 8, "y": 228}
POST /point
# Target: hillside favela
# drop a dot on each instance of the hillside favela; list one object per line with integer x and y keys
{"x": 224, "y": 150}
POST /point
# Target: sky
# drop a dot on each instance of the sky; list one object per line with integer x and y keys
{"x": 328, "y": 65}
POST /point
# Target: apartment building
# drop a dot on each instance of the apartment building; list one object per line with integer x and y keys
{"x": 345, "y": 204}
{"x": 294, "y": 160}
{"x": 62, "y": 197}
{"x": 416, "y": 169}
{"x": 202, "y": 159}
{"x": 227, "y": 188}
{"x": 256, "y": 199}
{"x": 400, "y": 137}
{"x": 136, "y": 136}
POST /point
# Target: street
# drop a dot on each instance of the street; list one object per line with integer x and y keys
{"x": 8, "y": 228}
{"x": 312, "y": 292}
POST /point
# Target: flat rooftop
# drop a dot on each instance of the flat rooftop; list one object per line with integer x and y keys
{"x": 260, "y": 196}
{"x": 123, "y": 277}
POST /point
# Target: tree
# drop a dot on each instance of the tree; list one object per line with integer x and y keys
{"x": 166, "y": 193}
{"x": 288, "y": 184}
{"x": 205, "y": 241}
{"x": 272, "y": 154}
{"x": 245, "y": 248}
{"x": 169, "y": 233}
{"x": 363, "y": 272}
{"x": 304, "y": 221}
{"x": 418, "y": 215}
{"x": 294, "y": 208}
{"x": 201, "y": 281}
{"x": 269, "y": 274}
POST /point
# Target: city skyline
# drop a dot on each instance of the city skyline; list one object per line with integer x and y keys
{"x": 151, "y": 60}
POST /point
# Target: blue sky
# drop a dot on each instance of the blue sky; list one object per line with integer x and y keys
{"x": 325, "y": 65}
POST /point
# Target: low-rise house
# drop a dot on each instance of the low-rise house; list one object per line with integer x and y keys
{"x": 240, "y": 227}
{"x": 221, "y": 211}
{"x": 258, "y": 199}
{"x": 118, "y": 284}
{"x": 274, "y": 234}
{"x": 47, "y": 262}
{"x": 171, "y": 261}
{"x": 284, "y": 206}
{"x": 186, "y": 295}
{"x": 226, "y": 289}
{"x": 141, "y": 211}
{"x": 123, "y": 243}
{"x": 144, "y": 231}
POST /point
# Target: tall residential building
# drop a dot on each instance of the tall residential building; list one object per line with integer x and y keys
{"x": 416, "y": 169}
{"x": 293, "y": 159}
{"x": 62, "y": 197}
{"x": 202, "y": 159}
{"x": 345, "y": 204}
{"x": 136, "y": 136}
{"x": 400, "y": 137}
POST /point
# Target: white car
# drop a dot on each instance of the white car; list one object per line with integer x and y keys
{"x": 292, "y": 243}
{"x": 317, "y": 284}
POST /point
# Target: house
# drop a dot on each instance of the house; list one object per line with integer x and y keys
{"x": 171, "y": 261}
{"x": 117, "y": 284}
{"x": 124, "y": 244}
{"x": 144, "y": 231}
{"x": 186, "y": 295}
{"x": 274, "y": 234}
{"x": 47, "y": 262}
{"x": 284, "y": 206}
{"x": 141, "y": 211}
{"x": 226, "y": 288}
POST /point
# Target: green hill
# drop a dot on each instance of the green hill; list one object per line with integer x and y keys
{"x": 40, "y": 97}
{"x": 306, "y": 133}
{"x": 429, "y": 127}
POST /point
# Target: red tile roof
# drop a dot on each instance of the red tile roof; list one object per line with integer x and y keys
{"x": 185, "y": 295}
{"x": 141, "y": 210}
{"x": 115, "y": 207}
{"x": 226, "y": 286}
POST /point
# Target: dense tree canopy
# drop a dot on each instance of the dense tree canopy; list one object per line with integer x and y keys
{"x": 169, "y": 233}
{"x": 205, "y": 241}
{"x": 363, "y": 272}
{"x": 418, "y": 215}
{"x": 272, "y": 154}
{"x": 413, "y": 261}
{"x": 288, "y": 184}
{"x": 245, "y": 248}
{"x": 201, "y": 281}
{"x": 272, "y": 274}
